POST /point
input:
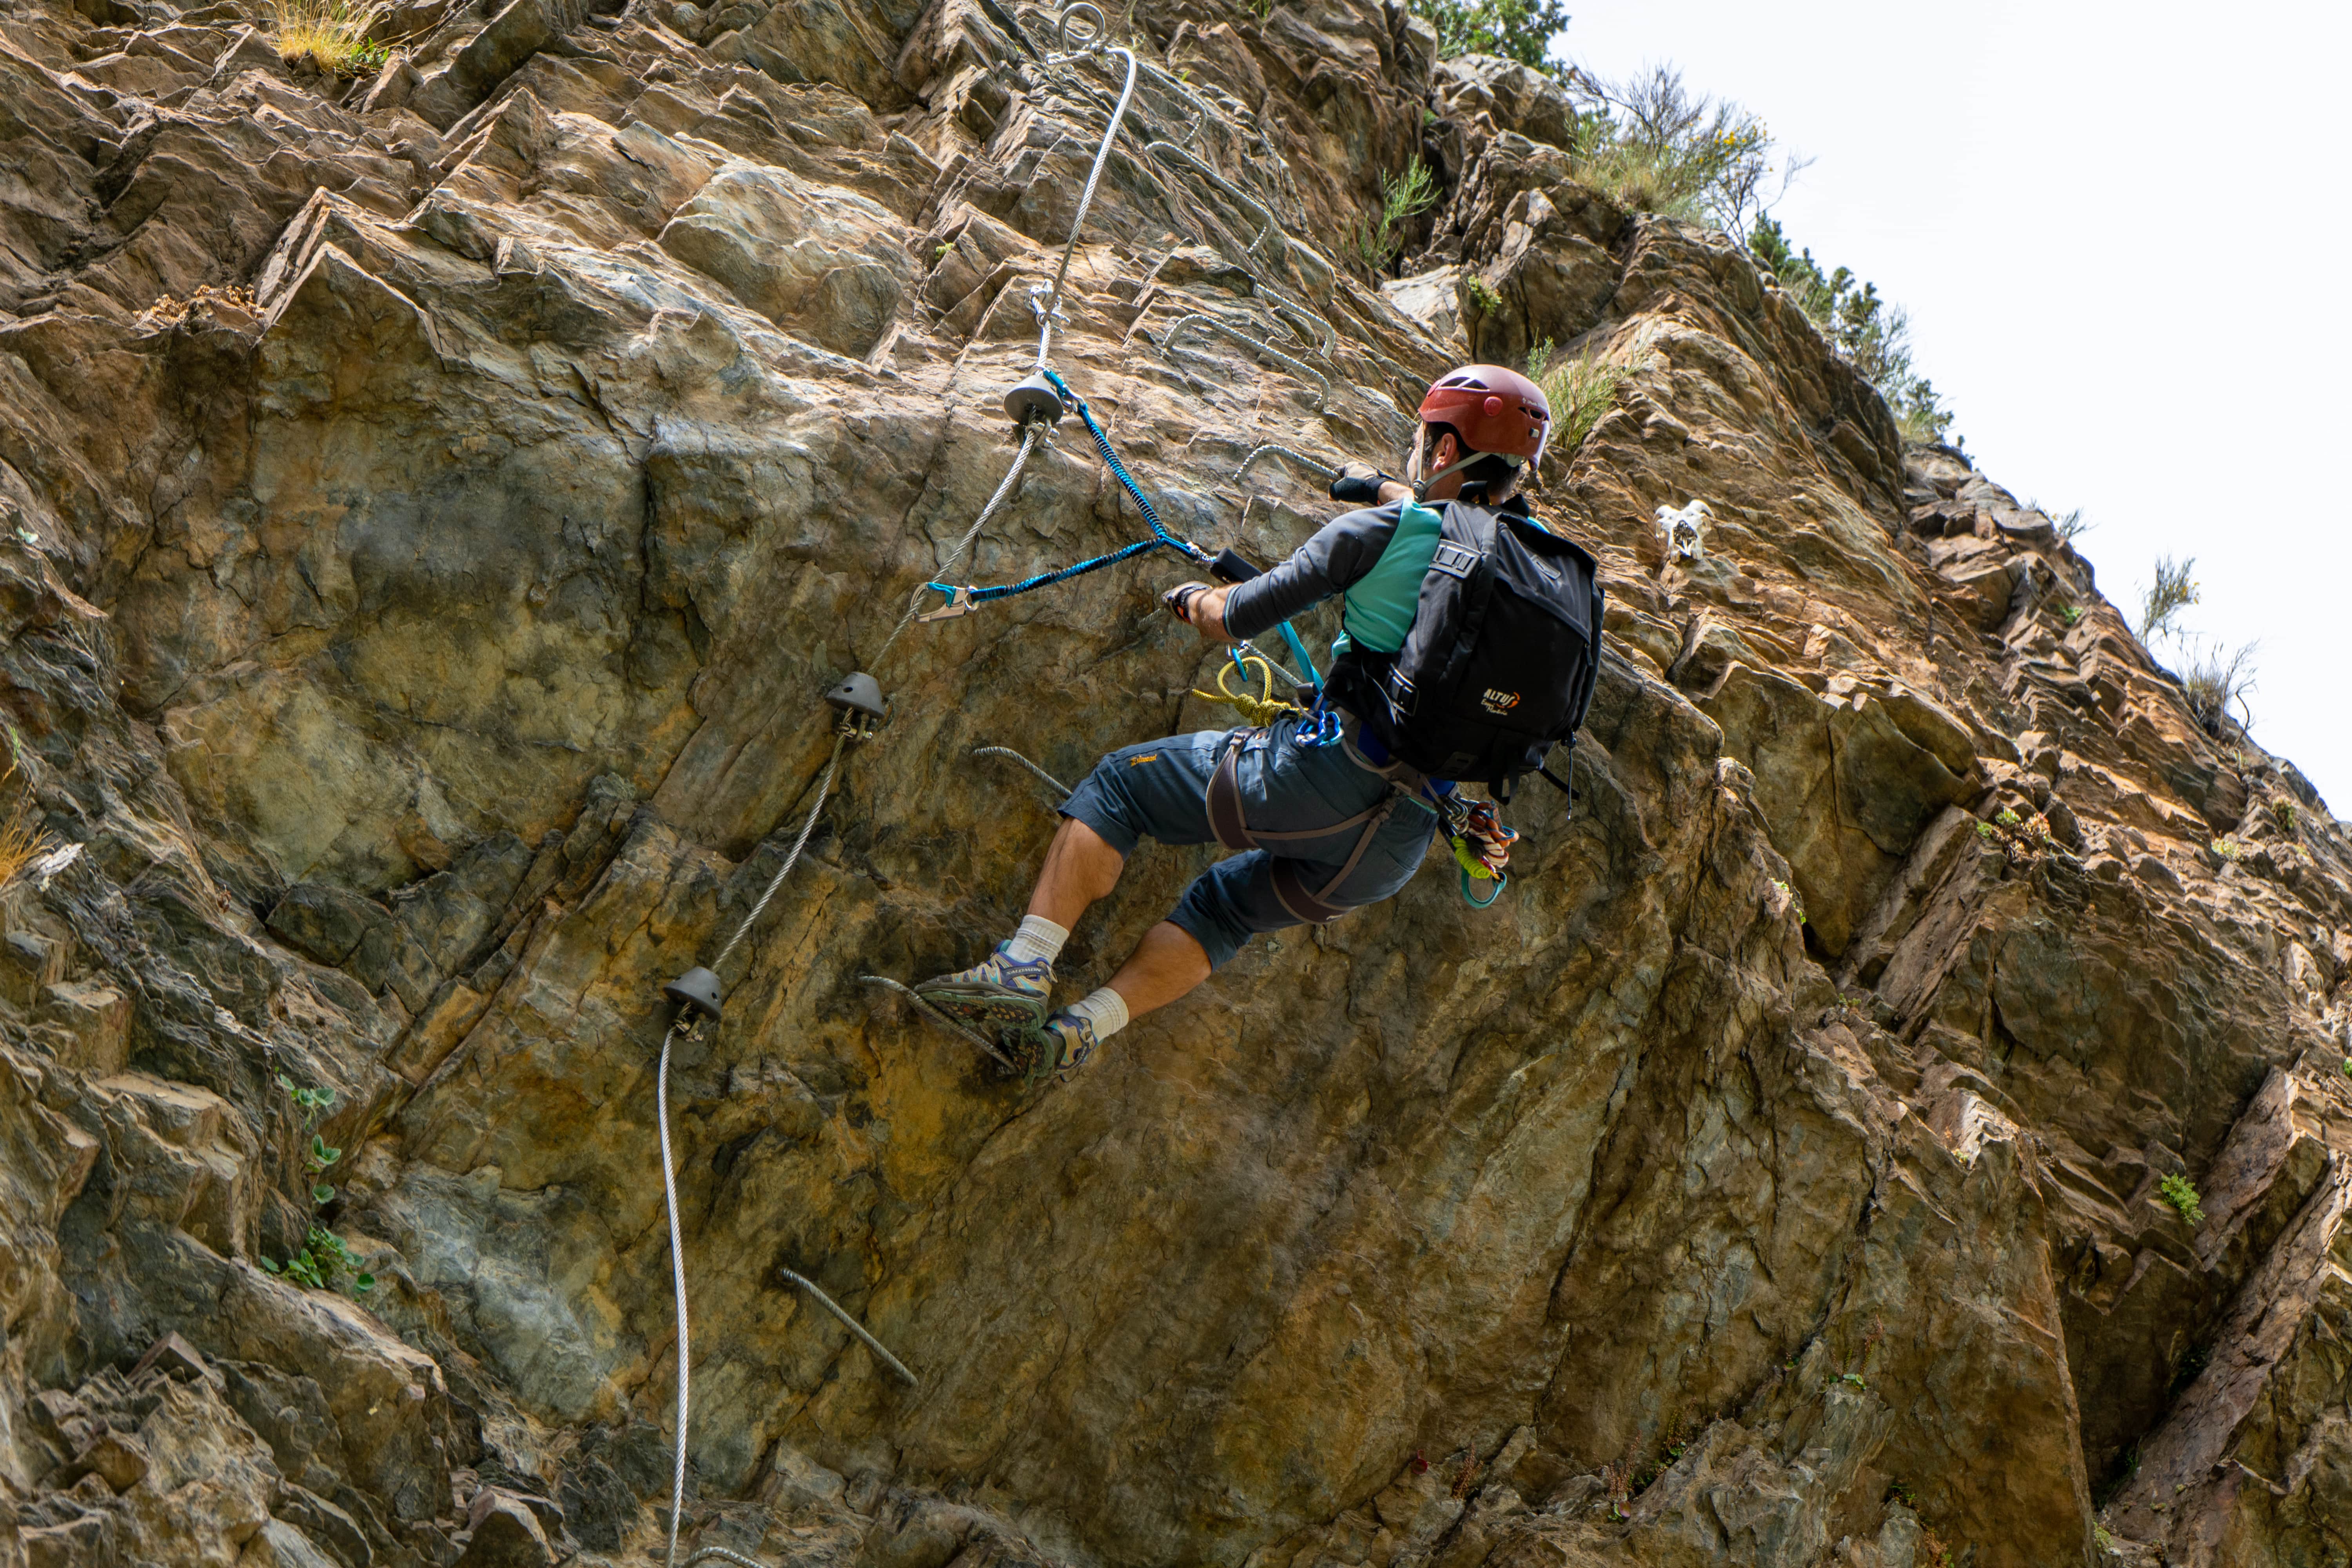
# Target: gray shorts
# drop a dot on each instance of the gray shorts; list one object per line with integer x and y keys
{"x": 1159, "y": 790}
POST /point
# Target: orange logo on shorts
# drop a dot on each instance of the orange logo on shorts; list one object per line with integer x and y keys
{"x": 1147, "y": 757}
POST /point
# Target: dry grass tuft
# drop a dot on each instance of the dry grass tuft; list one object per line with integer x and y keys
{"x": 2218, "y": 676}
{"x": 1580, "y": 390}
{"x": 21, "y": 843}
{"x": 330, "y": 34}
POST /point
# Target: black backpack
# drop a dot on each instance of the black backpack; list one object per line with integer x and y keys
{"x": 1505, "y": 647}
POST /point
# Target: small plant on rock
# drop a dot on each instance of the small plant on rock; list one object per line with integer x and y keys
{"x": 2282, "y": 814}
{"x": 2216, "y": 678}
{"x": 1618, "y": 1478}
{"x": 323, "y": 1263}
{"x": 2073, "y": 614}
{"x": 2024, "y": 839}
{"x": 1580, "y": 389}
{"x": 312, "y": 1103}
{"x": 2226, "y": 848}
{"x": 1402, "y": 198}
{"x": 2173, "y": 591}
{"x": 1482, "y": 294}
{"x": 2181, "y": 1194}
{"x": 330, "y": 34}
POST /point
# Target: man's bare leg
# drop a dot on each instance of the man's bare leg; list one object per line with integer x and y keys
{"x": 1080, "y": 867}
{"x": 1165, "y": 964}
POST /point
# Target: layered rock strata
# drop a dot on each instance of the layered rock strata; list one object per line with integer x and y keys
{"x": 435, "y": 501}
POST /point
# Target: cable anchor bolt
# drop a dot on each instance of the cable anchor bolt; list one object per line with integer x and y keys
{"x": 1033, "y": 398}
{"x": 858, "y": 698}
{"x": 696, "y": 994}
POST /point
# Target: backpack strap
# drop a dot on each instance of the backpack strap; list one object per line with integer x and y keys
{"x": 1583, "y": 705}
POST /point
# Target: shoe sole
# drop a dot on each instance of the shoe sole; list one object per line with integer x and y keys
{"x": 1004, "y": 1009}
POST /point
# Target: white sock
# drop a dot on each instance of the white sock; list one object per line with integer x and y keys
{"x": 1038, "y": 938}
{"x": 1105, "y": 1010}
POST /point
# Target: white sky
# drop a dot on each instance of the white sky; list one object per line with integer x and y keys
{"x": 2120, "y": 232}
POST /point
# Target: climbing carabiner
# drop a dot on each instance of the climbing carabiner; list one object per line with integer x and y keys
{"x": 1320, "y": 728}
{"x": 960, "y": 603}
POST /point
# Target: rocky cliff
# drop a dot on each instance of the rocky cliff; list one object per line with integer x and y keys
{"x": 436, "y": 501}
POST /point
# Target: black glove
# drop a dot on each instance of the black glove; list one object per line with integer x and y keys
{"x": 1362, "y": 489}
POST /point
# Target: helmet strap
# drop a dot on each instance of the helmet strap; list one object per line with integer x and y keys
{"x": 1421, "y": 489}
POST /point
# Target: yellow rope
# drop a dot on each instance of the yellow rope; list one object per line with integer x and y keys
{"x": 1261, "y": 709}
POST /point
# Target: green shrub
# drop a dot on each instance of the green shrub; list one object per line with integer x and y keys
{"x": 1402, "y": 199}
{"x": 1650, "y": 144}
{"x": 2181, "y": 1194}
{"x": 1519, "y": 30}
{"x": 323, "y": 1263}
{"x": 2173, "y": 591}
{"x": 1865, "y": 331}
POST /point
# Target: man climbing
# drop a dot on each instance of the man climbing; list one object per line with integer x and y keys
{"x": 1327, "y": 828}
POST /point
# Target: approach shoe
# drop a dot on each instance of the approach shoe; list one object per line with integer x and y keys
{"x": 1000, "y": 993}
{"x": 1058, "y": 1049}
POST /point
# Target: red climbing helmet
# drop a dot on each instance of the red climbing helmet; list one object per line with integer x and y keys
{"x": 1496, "y": 410}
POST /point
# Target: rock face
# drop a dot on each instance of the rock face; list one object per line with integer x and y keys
{"x": 435, "y": 504}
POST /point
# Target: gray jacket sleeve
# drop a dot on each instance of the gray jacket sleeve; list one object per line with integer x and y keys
{"x": 1330, "y": 563}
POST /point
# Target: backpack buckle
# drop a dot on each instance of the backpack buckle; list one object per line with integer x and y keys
{"x": 1453, "y": 558}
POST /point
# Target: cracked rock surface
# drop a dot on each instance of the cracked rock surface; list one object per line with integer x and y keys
{"x": 435, "y": 501}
